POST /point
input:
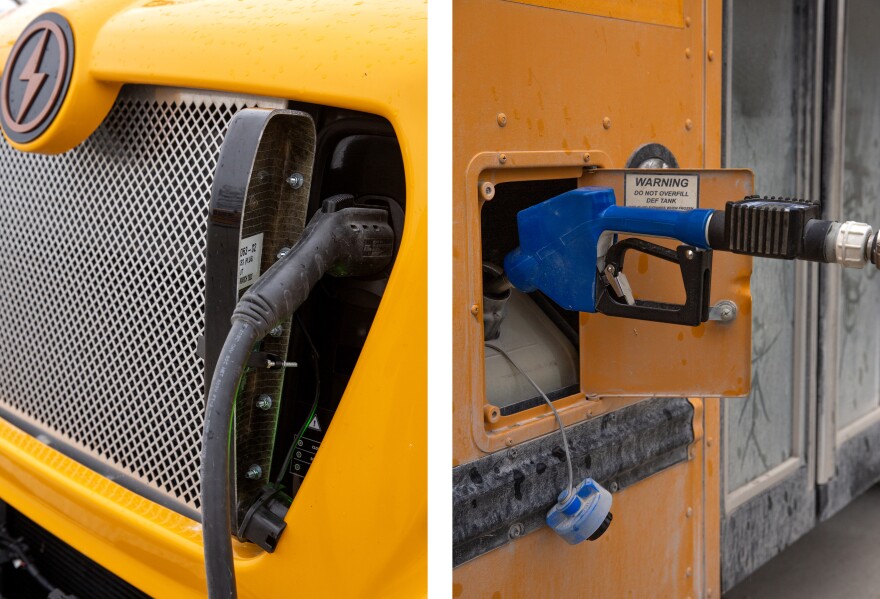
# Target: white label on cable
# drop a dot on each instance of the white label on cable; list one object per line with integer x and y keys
{"x": 250, "y": 253}
{"x": 667, "y": 192}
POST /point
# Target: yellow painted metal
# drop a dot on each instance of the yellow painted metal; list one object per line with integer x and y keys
{"x": 659, "y": 12}
{"x": 556, "y": 88}
{"x": 358, "y": 526}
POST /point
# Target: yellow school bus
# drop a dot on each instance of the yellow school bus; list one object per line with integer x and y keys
{"x": 158, "y": 158}
{"x": 719, "y": 444}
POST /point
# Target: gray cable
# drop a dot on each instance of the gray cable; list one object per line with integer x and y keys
{"x": 552, "y": 407}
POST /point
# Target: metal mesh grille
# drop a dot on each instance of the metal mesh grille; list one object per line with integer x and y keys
{"x": 102, "y": 255}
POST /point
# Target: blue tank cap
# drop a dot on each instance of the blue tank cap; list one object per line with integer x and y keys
{"x": 584, "y": 515}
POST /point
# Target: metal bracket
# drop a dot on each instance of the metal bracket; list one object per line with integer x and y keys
{"x": 723, "y": 311}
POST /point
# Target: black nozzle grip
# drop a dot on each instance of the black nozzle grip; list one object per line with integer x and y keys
{"x": 696, "y": 271}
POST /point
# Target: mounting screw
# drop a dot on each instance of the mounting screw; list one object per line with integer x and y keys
{"x": 516, "y": 530}
{"x": 689, "y": 254}
{"x": 509, "y": 441}
{"x": 487, "y": 190}
{"x": 475, "y": 309}
{"x": 254, "y": 472}
{"x": 711, "y": 55}
{"x": 587, "y": 157}
{"x": 491, "y": 413}
{"x": 502, "y": 158}
{"x": 687, "y": 52}
{"x": 283, "y": 252}
{"x": 613, "y": 486}
{"x": 276, "y": 332}
{"x": 501, "y": 119}
{"x": 296, "y": 180}
{"x": 264, "y": 402}
{"x": 606, "y": 122}
{"x": 688, "y": 124}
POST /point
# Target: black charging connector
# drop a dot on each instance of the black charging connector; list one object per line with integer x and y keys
{"x": 343, "y": 239}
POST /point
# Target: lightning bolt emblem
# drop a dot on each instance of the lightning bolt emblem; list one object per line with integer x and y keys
{"x": 35, "y": 79}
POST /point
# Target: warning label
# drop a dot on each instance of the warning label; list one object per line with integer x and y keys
{"x": 250, "y": 252}
{"x": 314, "y": 424}
{"x": 307, "y": 447}
{"x": 668, "y": 192}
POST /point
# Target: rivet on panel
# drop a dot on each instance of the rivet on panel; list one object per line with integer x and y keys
{"x": 491, "y": 413}
{"x": 687, "y": 21}
{"x": 689, "y": 572}
{"x": 606, "y": 122}
{"x": 487, "y": 190}
{"x": 502, "y": 158}
{"x": 475, "y": 309}
{"x": 501, "y": 119}
{"x": 688, "y": 124}
{"x": 687, "y": 52}
{"x": 689, "y": 512}
{"x": 711, "y": 55}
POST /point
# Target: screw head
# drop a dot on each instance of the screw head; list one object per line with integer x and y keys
{"x": 689, "y": 254}
{"x": 501, "y": 119}
{"x": 711, "y": 55}
{"x": 688, "y": 124}
{"x": 606, "y": 122}
{"x": 502, "y": 158}
{"x": 475, "y": 309}
{"x": 487, "y": 190}
{"x": 296, "y": 180}
{"x": 264, "y": 402}
{"x": 276, "y": 332}
{"x": 254, "y": 472}
{"x": 516, "y": 530}
{"x": 613, "y": 486}
{"x": 283, "y": 252}
{"x": 687, "y": 52}
{"x": 587, "y": 157}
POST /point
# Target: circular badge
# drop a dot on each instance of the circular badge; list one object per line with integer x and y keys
{"x": 36, "y": 78}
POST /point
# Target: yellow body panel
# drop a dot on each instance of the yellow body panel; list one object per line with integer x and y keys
{"x": 659, "y": 12}
{"x": 571, "y": 87}
{"x": 358, "y": 525}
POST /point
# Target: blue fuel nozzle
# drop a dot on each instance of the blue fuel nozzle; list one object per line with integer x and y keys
{"x": 563, "y": 239}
